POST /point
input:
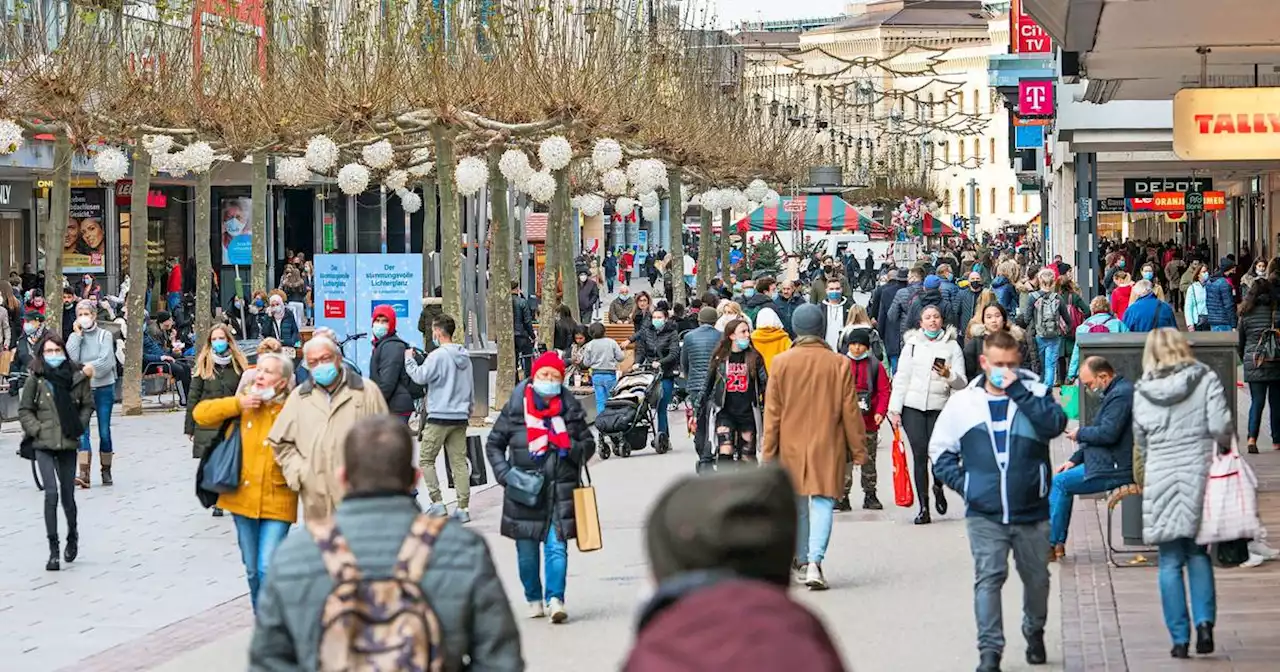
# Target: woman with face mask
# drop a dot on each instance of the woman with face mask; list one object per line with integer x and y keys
{"x": 1196, "y": 307}
{"x": 277, "y": 321}
{"x": 736, "y": 380}
{"x": 54, "y": 409}
{"x": 263, "y": 507}
{"x": 95, "y": 348}
{"x": 537, "y": 448}
{"x": 930, "y": 369}
{"x": 1149, "y": 274}
{"x": 219, "y": 366}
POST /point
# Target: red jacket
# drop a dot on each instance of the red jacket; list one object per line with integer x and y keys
{"x": 734, "y": 626}
{"x": 883, "y": 388}
{"x": 175, "y": 279}
{"x": 1120, "y": 300}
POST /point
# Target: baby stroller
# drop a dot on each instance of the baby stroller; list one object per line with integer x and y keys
{"x": 628, "y": 415}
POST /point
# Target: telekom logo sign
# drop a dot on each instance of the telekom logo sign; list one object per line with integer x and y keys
{"x": 1035, "y": 97}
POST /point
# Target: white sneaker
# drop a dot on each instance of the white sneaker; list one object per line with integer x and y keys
{"x": 1253, "y": 561}
{"x": 556, "y": 608}
{"x": 1261, "y": 548}
{"x": 536, "y": 610}
{"x": 813, "y": 577}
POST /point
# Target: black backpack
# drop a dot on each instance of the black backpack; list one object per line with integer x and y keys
{"x": 416, "y": 391}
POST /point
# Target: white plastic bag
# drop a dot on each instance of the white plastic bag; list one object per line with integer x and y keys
{"x": 1230, "y": 501}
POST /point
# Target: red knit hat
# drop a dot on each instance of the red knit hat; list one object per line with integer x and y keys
{"x": 388, "y": 312}
{"x": 551, "y": 359}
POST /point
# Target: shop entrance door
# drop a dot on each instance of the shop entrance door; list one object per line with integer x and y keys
{"x": 299, "y": 222}
{"x": 13, "y": 238}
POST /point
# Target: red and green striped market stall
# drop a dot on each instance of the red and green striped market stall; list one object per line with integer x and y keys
{"x": 822, "y": 213}
{"x": 932, "y": 226}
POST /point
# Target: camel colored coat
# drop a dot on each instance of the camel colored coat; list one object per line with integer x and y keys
{"x": 812, "y": 425}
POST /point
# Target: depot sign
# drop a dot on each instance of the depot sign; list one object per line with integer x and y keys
{"x": 1227, "y": 124}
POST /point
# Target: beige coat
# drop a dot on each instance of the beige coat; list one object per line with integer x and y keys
{"x": 309, "y": 433}
{"x": 812, "y": 425}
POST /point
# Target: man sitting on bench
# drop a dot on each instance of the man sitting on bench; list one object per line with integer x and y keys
{"x": 1103, "y": 460}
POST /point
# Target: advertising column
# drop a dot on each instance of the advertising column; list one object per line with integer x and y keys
{"x": 335, "y": 293}
{"x": 84, "y": 242}
{"x": 388, "y": 280}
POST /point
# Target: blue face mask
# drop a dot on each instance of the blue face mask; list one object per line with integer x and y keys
{"x": 1120, "y": 263}
{"x": 54, "y": 361}
{"x": 742, "y": 343}
{"x": 435, "y": 341}
{"x": 749, "y": 292}
{"x": 325, "y": 374}
{"x": 933, "y": 334}
{"x": 1147, "y": 275}
{"x": 546, "y": 388}
{"x": 834, "y": 296}
{"x": 30, "y": 328}
{"x": 862, "y": 356}
{"x": 379, "y": 330}
{"x": 659, "y": 323}
{"x": 996, "y": 377}
{"x": 220, "y": 346}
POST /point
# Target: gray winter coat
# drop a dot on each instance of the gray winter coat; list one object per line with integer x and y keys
{"x": 1180, "y": 417}
{"x": 695, "y": 357}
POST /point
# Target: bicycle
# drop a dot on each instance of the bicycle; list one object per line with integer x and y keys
{"x": 342, "y": 347}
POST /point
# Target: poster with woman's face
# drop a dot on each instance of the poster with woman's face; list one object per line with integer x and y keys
{"x": 237, "y": 239}
{"x": 84, "y": 241}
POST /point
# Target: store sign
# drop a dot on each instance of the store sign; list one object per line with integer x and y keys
{"x": 1147, "y": 187}
{"x": 124, "y": 195}
{"x": 1139, "y": 204}
{"x": 1227, "y": 124}
{"x": 1110, "y": 205}
{"x": 1027, "y": 35}
{"x": 1169, "y": 201}
{"x": 1215, "y": 200}
{"x": 15, "y": 195}
{"x": 1035, "y": 97}
{"x": 1028, "y": 137}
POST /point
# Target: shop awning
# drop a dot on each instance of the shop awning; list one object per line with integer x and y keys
{"x": 696, "y": 227}
{"x": 932, "y": 226}
{"x": 821, "y": 213}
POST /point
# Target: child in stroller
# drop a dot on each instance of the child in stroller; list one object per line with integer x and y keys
{"x": 628, "y": 415}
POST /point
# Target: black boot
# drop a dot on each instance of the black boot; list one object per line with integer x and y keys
{"x": 843, "y": 504}
{"x": 989, "y": 661}
{"x": 73, "y": 547}
{"x": 1180, "y": 651}
{"x": 1204, "y": 638}
{"x": 1036, "y": 654}
{"x": 939, "y": 499}
{"x": 923, "y": 518}
{"x": 53, "y": 565}
{"x": 871, "y": 502}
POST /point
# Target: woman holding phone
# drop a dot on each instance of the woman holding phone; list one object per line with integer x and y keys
{"x": 930, "y": 368}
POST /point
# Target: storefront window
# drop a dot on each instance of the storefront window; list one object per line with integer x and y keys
{"x": 369, "y": 222}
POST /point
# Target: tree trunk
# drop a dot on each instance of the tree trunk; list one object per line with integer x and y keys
{"x": 450, "y": 233}
{"x": 136, "y": 302}
{"x": 55, "y": 229}
{"x": 204, "y": 257}
{"x": 706, "y": 251}
{"x": 258, "y": 192}
{"x": 675, "y": 214}
{"x": 551, "y": 261}
{"x": 430, "y": 221}
{"x": 565, "y": 252}
{"x": 501, "y": 319}
{"x": 725, "y": 245}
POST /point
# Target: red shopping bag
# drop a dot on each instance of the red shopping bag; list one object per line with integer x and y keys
{"x": 902, "y": 492}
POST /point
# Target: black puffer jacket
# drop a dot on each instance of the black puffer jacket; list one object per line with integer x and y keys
{"x": 695, "y": 357}
{"x": 224, "y": 382}
{"x": 386, "y": 370}
{"x": 662, "y": 346}
{"x": 508, "y": 448}
{"x": 1251, "y": 327}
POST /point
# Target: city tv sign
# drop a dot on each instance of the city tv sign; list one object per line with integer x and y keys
{"x": 1026, "y": 36}
{"x": 1227, "y": 124}
{"x": 1035, "y": 97}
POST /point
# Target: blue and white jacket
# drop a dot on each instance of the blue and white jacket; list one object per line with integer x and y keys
{"x": 964, "y": 457}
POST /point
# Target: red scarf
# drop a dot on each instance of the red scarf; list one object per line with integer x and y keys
{"x": 544, "y": 428}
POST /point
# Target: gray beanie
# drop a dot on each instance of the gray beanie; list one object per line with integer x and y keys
{"x": 809, "y": 320}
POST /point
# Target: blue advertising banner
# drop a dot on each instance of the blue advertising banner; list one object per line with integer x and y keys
{"x": 237, "y": 231}
{"x": 1028, "y": 137}
{"x": 388, "y": 279}
{"x": 335, "y": 293}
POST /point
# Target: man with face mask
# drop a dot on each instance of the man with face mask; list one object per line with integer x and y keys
{"x": 785, "y": 303}
{"x": 967, "y": 299}
{"x": 1103, "y": 460}
{"x": 386, "y": 363}
{"x": 450, "y": 396}
{"x": 95, "y": 349}
{"x": 622, "y": 307}
{"x": 588, "y": 297}
{"x": 991, "y": 445}
{"x": 32, "y": 332}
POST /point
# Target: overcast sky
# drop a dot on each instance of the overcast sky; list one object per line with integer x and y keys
{"x": 733, "y": 11}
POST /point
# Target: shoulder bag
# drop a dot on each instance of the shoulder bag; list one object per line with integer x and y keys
{"x": 525, "y": 487}
{"x": 221, "y": 473}
{"x": 586, "y": 514}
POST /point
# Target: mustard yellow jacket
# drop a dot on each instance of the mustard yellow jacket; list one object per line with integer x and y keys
{"x": 770, "y": 342}
{"x": 263, "y": 491}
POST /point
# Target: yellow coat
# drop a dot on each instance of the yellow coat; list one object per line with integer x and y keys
{"x": 770, "y": 342}
{"x": 263, "y": 492}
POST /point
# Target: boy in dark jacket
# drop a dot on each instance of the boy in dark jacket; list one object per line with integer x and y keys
{"x": 874, "y": 389}
{"x": 386, "y": 363}
{"x": 991, "y": 444}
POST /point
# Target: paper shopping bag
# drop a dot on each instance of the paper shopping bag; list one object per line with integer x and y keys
{"x": 587, "y": 516}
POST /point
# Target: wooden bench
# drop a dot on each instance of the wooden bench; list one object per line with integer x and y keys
{"x": 620, "y": 332}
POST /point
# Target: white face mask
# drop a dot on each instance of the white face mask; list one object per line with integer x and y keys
{"x": 265, "y": 394}
{"x": 86, "y": 322}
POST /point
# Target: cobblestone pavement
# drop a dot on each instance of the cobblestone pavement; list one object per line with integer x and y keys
{"x": 159, "y": 584}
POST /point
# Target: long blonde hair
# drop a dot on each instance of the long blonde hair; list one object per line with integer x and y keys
{"x": 857, "y": 315}
{"x": 1166, "y": 347}
{"x": 204, "y": 361}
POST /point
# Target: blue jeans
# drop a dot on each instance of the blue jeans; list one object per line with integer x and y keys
{"x": 1221, "y": 327}
{"x": 1066, "y": 486}
{"x": 1174, "y": 555}
{"x": 1049, "y": 349}
{"x": 893, "y": 364}
{"x": 557, "y": 567}
{"x": 1261, "y": 394}
{"x": 173, "y": 300}
{"x": 103, "y": 399}
{"x": 603, "y": 382}
{"x": 668, "y": 389}
{"x": 258, "y": 539}
{"x": 816, "y": 516}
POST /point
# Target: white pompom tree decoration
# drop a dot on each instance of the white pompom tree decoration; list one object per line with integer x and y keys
{"x": 471, "y": 175}
{"x": 555, "y": 153}
{"x": 514, "y": 165}
{"x": 10, "y": 136}
{"x": 157, "y": 145}
{"x": 396, "y": 180}
{"x": 757, "y": 189}
{"x": 771, "y": 199}
{"x": 541, "y": 187}
{"x": 379, "y": 155}
{"x": 409, "y": 201}
{"x": 353, "y": 179}
{"x": 591, "y": 205}
{"x": 111, "y": 164}
{"x": 322, "y": 154}
{"x": 624, "y": 206}
{"x": 606, "y": 155}
{"x": 197, "y": 157}
{"x": 292, "y": 171}
{"x": 614, "y": 182}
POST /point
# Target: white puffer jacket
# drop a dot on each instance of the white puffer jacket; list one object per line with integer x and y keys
{"x": 915, "y": 385}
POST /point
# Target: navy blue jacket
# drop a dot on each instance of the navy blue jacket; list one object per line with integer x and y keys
{"x": 785, "y": 309}
{"x": 1006, "y": 294}
{"x": 1106, "y": 444}
{"x": 1220, "y": 303}
{"x": 1148, "y": 314}
{"x": 964, "y": 456}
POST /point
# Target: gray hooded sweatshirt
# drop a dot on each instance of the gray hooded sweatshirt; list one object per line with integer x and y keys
{"x": 446, "y": 374}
